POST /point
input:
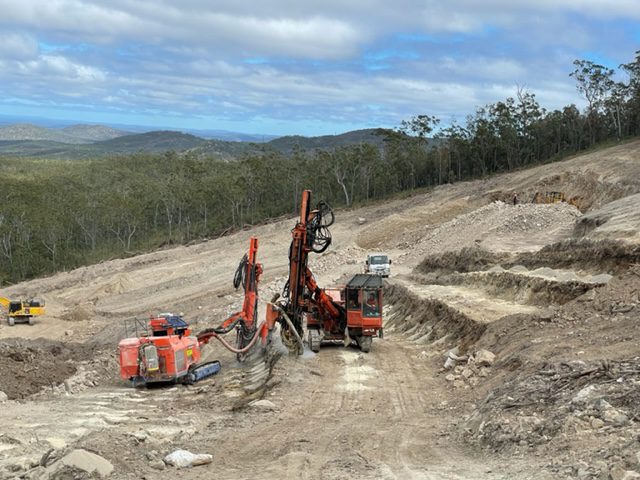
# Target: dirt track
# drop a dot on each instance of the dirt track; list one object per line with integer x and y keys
{"x": 389, "y": 414}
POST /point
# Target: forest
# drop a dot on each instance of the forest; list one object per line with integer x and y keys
{"x": 60, "y": 214}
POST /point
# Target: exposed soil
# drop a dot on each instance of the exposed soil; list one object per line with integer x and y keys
{"x": 29, "y": 366}
{"x": 551, "y": 290}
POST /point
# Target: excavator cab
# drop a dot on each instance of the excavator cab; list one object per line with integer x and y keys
{"x": 22, "y": 310}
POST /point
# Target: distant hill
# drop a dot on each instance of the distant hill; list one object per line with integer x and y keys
{"x": 25, "y": 131}
{"x": 287, "y": 144}
{"x": 152, "y": 142}
{"x": 44, "y": 149}
{"x": 158, "y": 141}
{"x": 75, "y": 134}
{"x": 94, "y": 133}
{"x": 87, "y": 141}
{"x": 227, "y": 136}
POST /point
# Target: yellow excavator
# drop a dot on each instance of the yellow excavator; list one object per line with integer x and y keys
{"x": 22, "y": 311}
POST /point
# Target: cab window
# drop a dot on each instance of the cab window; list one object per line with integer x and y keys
{"x": 353, "y": 300}
{"x": 379, "y": 260}
{"x": 371, "y": 305}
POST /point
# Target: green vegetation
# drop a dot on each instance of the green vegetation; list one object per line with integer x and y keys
{"x": 60, "y": 214}
{"x": 20, "y": 141}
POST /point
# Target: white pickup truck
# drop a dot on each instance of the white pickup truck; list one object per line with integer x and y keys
{"x": 378, "y": 264}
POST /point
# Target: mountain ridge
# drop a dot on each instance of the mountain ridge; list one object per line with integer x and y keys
{"x": 86, "y": 141}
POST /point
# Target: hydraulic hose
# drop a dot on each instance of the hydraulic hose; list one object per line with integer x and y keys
{"x": 291, "y": 327}
{"x": 233, "y": 349}
{"x": 239, "y": 277}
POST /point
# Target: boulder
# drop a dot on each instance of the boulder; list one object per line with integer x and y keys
{"x": 86, "y": 461}
{"x": 484, "y": 358}
{"x": 184, "y": 459}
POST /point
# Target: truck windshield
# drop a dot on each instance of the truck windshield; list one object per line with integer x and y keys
{"x": 378, "y": 259}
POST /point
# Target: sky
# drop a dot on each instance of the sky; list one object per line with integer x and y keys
{"x": 296, "y": 66}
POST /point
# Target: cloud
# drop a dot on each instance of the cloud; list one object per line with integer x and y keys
{"x": 366, "y": 62}
{"x": 17, "y": 45}
{"x": 316, "y": 36}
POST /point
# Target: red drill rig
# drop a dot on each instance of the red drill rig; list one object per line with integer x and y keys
{"x": 170, "y": 353}
{"x": 353, "y": 311}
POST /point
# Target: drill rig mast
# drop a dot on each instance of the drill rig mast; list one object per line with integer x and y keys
{"x": 171, "y": 353}
{"x": 324, "y": 311}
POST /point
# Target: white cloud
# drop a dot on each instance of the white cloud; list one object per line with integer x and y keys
{"x": 17, "y": 45}
{"x": 297, "y": 60}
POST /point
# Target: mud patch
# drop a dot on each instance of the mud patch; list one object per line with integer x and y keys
{"x": 29, "y": 366}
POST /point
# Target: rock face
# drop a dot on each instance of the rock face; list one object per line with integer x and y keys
{"x": 84, "y": 461}
{"x": 3, "y": 397}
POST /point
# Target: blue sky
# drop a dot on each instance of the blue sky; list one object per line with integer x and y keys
{"x": 297, "y": 67}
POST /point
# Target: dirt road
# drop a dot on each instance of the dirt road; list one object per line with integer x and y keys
{"x": 344, "y": 414}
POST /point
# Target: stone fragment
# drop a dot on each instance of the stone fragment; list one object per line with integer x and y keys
{"x": 587, "y": 395}
{"x": 458, "y": 384}
{"x": 57, "y": 443}
{"x": 3, "y": 397}
{"x": 484, "y": 358}
{"x": 619, "y": 473}
{"x": 184, "y": 459}
{"x": 140, "y": 436}
{"x": 264, "y": 405}
{"x": 85, "y": 461}
{"x": 620, "y": 420}
{"x": 157, "y": 464}
{"x": 611, "y": 415}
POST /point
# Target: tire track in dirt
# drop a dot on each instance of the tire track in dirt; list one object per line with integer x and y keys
{"x": 344, "y": 414}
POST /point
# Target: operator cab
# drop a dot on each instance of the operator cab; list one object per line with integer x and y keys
{"x": 364, "y": 297}
{"x": 167, "y": 324}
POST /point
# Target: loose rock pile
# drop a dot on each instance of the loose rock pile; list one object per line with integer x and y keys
{"x": 494, "y": 223}
{"x": 564, "y": 401}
